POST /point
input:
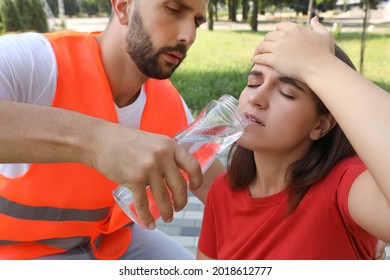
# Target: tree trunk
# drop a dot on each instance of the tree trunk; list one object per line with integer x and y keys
{"x": 210, "y": 23}
{"x": 61, "y": 9}
{"x": 233, "y": 10}
{"x": 245, "y": 10}
{"x": 216, "y": 9}
{"x": 255, "y": 11}
{"x": 99, "y": 6}
{"x": 61, "y": 13}
{"x": 229, "y": 5}
{"x": 309, "y": 12}
{"x": 364, "y": 34}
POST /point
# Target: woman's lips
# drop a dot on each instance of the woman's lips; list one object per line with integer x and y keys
{"x": 253, "y": 119}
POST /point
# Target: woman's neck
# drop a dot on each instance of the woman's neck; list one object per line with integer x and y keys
{"x": 270, "y": 175}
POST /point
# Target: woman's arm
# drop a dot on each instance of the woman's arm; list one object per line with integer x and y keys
{"x": 209, "y": 176}
{"x": 201, "y": 256}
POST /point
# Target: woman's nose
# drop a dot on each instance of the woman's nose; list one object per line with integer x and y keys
{"x": 260, "y": 97}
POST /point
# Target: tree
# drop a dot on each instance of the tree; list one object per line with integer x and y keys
{"x": 106, "y": 6}
{"x": 215, "y": 10}
{"x": 1, "y": 17}
{"x": 53, "y": 6}
{"x": 258, "y": 5}
{"x": 24, "y": 8}
{"x": 232, "y": 7}
{"x": 39, "y": 24}
{"x": 364, "y": 34}
{"x": 90, "y": 7}
{"x": 210, "y": 22}
{"x": 12, "y": 21}
{"x": 71, "y": 7}
{"x": 299, "y": 6}
{"x": 309, "y": 12}
{"x": 22, "y": 15}
{"x": 367, "y": 6}
{"x": 245, "y": 10}
{"x": 255, "y": 11}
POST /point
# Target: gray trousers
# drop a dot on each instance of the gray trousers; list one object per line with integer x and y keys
{"x": 145, "y": 245}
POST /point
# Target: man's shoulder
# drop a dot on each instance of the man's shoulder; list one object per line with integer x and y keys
{"x": 23, "y": 41}
{"x": 68, "y": 34}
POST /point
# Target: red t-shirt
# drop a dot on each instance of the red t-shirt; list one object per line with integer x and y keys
{"x": 238, "y": 226}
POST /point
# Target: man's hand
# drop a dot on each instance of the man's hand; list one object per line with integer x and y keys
{"x": 138, "y": 159}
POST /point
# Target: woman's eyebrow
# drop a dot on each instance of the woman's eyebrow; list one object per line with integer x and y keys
{"x": 292, "y": 82}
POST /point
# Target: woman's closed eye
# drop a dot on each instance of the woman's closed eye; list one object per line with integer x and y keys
{"x": 287, "y": 95}
{"x": 253, "y": 85}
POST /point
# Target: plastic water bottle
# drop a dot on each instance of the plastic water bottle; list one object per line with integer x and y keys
{"x": 218, "y": 125}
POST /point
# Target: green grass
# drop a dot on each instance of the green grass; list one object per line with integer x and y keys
{"x": 219, "y": 62}
{"x": 377, "y": 55}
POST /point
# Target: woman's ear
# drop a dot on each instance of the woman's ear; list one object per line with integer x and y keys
{"x": 324, "y": 124}
{"x": 120, "y": 8}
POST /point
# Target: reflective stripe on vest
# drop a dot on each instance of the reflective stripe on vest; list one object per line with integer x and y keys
{"x": 20, "y": 211}
{"x": 56, "y": 207}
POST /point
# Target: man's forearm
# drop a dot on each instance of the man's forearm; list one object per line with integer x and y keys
{"x": 32, "y": 133}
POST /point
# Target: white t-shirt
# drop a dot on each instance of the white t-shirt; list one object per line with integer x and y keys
{"x": 28, "y": 74}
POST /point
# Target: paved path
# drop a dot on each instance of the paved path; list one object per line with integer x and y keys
{"x": 185, "y": 227}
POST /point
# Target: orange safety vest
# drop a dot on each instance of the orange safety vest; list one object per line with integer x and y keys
{"x": 56, "y": 207}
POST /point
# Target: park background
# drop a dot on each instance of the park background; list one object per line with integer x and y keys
{"x": 219, "y": 61}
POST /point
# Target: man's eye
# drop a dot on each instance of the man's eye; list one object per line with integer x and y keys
{"x": 173, "y": 11}
{"x": 252, "y": 85}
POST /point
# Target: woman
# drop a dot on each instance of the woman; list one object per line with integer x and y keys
{"x": 295, "y": 188}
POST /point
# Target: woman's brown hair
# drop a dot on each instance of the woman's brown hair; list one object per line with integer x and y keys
{"x": 322, "y": 156}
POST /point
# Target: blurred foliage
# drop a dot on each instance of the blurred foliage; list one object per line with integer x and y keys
{"x": 22, "y": 15}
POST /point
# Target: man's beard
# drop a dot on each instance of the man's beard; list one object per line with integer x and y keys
{"x": 140, "y": 49}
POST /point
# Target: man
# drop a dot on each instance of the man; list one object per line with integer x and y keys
{"x": 61, "y": 98}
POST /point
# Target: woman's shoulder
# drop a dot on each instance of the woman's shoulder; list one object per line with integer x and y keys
{"x": 221, "y": 184}
{"x": 350, "y": 161}
{"x": 221, "y": 179}
{"x": 342, "y": 175}
{"x": 347, "y": 166}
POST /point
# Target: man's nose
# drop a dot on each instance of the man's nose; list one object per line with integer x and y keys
{"x": 187, "y": 33}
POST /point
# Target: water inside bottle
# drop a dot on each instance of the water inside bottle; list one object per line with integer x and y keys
{"x": 205, "y": 144}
